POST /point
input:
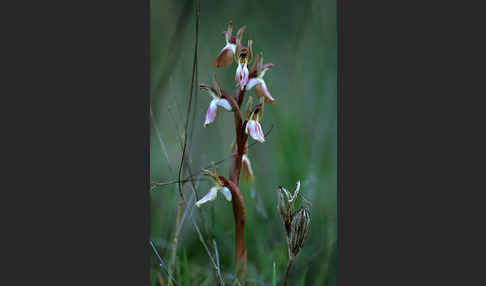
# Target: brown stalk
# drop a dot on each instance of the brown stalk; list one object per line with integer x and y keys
{"x": 232, "y": 184}
{"x": 287, "y": 272}
{"x": 239, "y": 216}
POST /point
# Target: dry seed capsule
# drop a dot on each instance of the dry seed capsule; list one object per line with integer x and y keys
{"x": 284, "y": 210}
{"x": 298, "y": 230}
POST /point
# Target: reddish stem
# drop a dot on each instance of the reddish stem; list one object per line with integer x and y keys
{"x": 232, "y": 183}
{"x": 239, "y": 215}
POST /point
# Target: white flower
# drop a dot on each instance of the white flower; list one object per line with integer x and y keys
{"x": 244, "y": 57}
{"x": 254, "y": 129}
{"x": 213, "y": 193}
{"x": 216, "y": 100}
{"x": 260, "y": 86}
{"x": 213, "y": 109}
{"x": 226, "y": 55}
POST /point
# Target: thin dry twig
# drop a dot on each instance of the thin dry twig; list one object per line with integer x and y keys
{"x": 162, "y": 144}
{"x": 194, "y": 66}
{"x": 189, "y": 207}
{"x": 180, "y": 200}
{"x": 162, "y": 184}
{"x": 186, "y": 164}
{"x": 217, "y": 256}
{"x": 161, "y": 263}
{"x": 207, "y": 251}
{"x": 191, "y": 177}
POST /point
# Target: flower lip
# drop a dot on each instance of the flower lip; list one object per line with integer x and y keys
{"x": 254, "y": 129}
{"x": 227, "y": 193}
{"x": 209, "y": 197}
{"x": 213, "y": 194}
{"x": 217, "y": 100}
{"x": 212, "y": 113}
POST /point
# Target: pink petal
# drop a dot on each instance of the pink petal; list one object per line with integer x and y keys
{"x": 248, "y": 126}
{"x": 237, "y": 74}
{"x": 261, "y": 136}
{"x": 245, "y": 75}
{"x": 255, "y": 130}
{"x": 211, "y": 113}
{"x": 241, "y": 75}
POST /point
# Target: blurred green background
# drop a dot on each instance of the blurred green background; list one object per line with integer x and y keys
{"x": 300, "y": 39}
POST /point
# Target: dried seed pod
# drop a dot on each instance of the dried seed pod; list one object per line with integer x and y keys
{"x": 298, "y": 231}
{"x": 284, "y": 210}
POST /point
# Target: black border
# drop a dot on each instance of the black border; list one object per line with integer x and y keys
{"x": 80, "y": 144}
{"x": 340, "y": 139}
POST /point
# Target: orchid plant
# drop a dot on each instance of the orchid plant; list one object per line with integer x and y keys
{"x": 245, "y": 126}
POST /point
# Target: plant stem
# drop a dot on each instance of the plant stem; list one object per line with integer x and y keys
{"x": 239, "y": 216}
{"x": 289, "y": 265}
{"x": 232, "y": 183}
